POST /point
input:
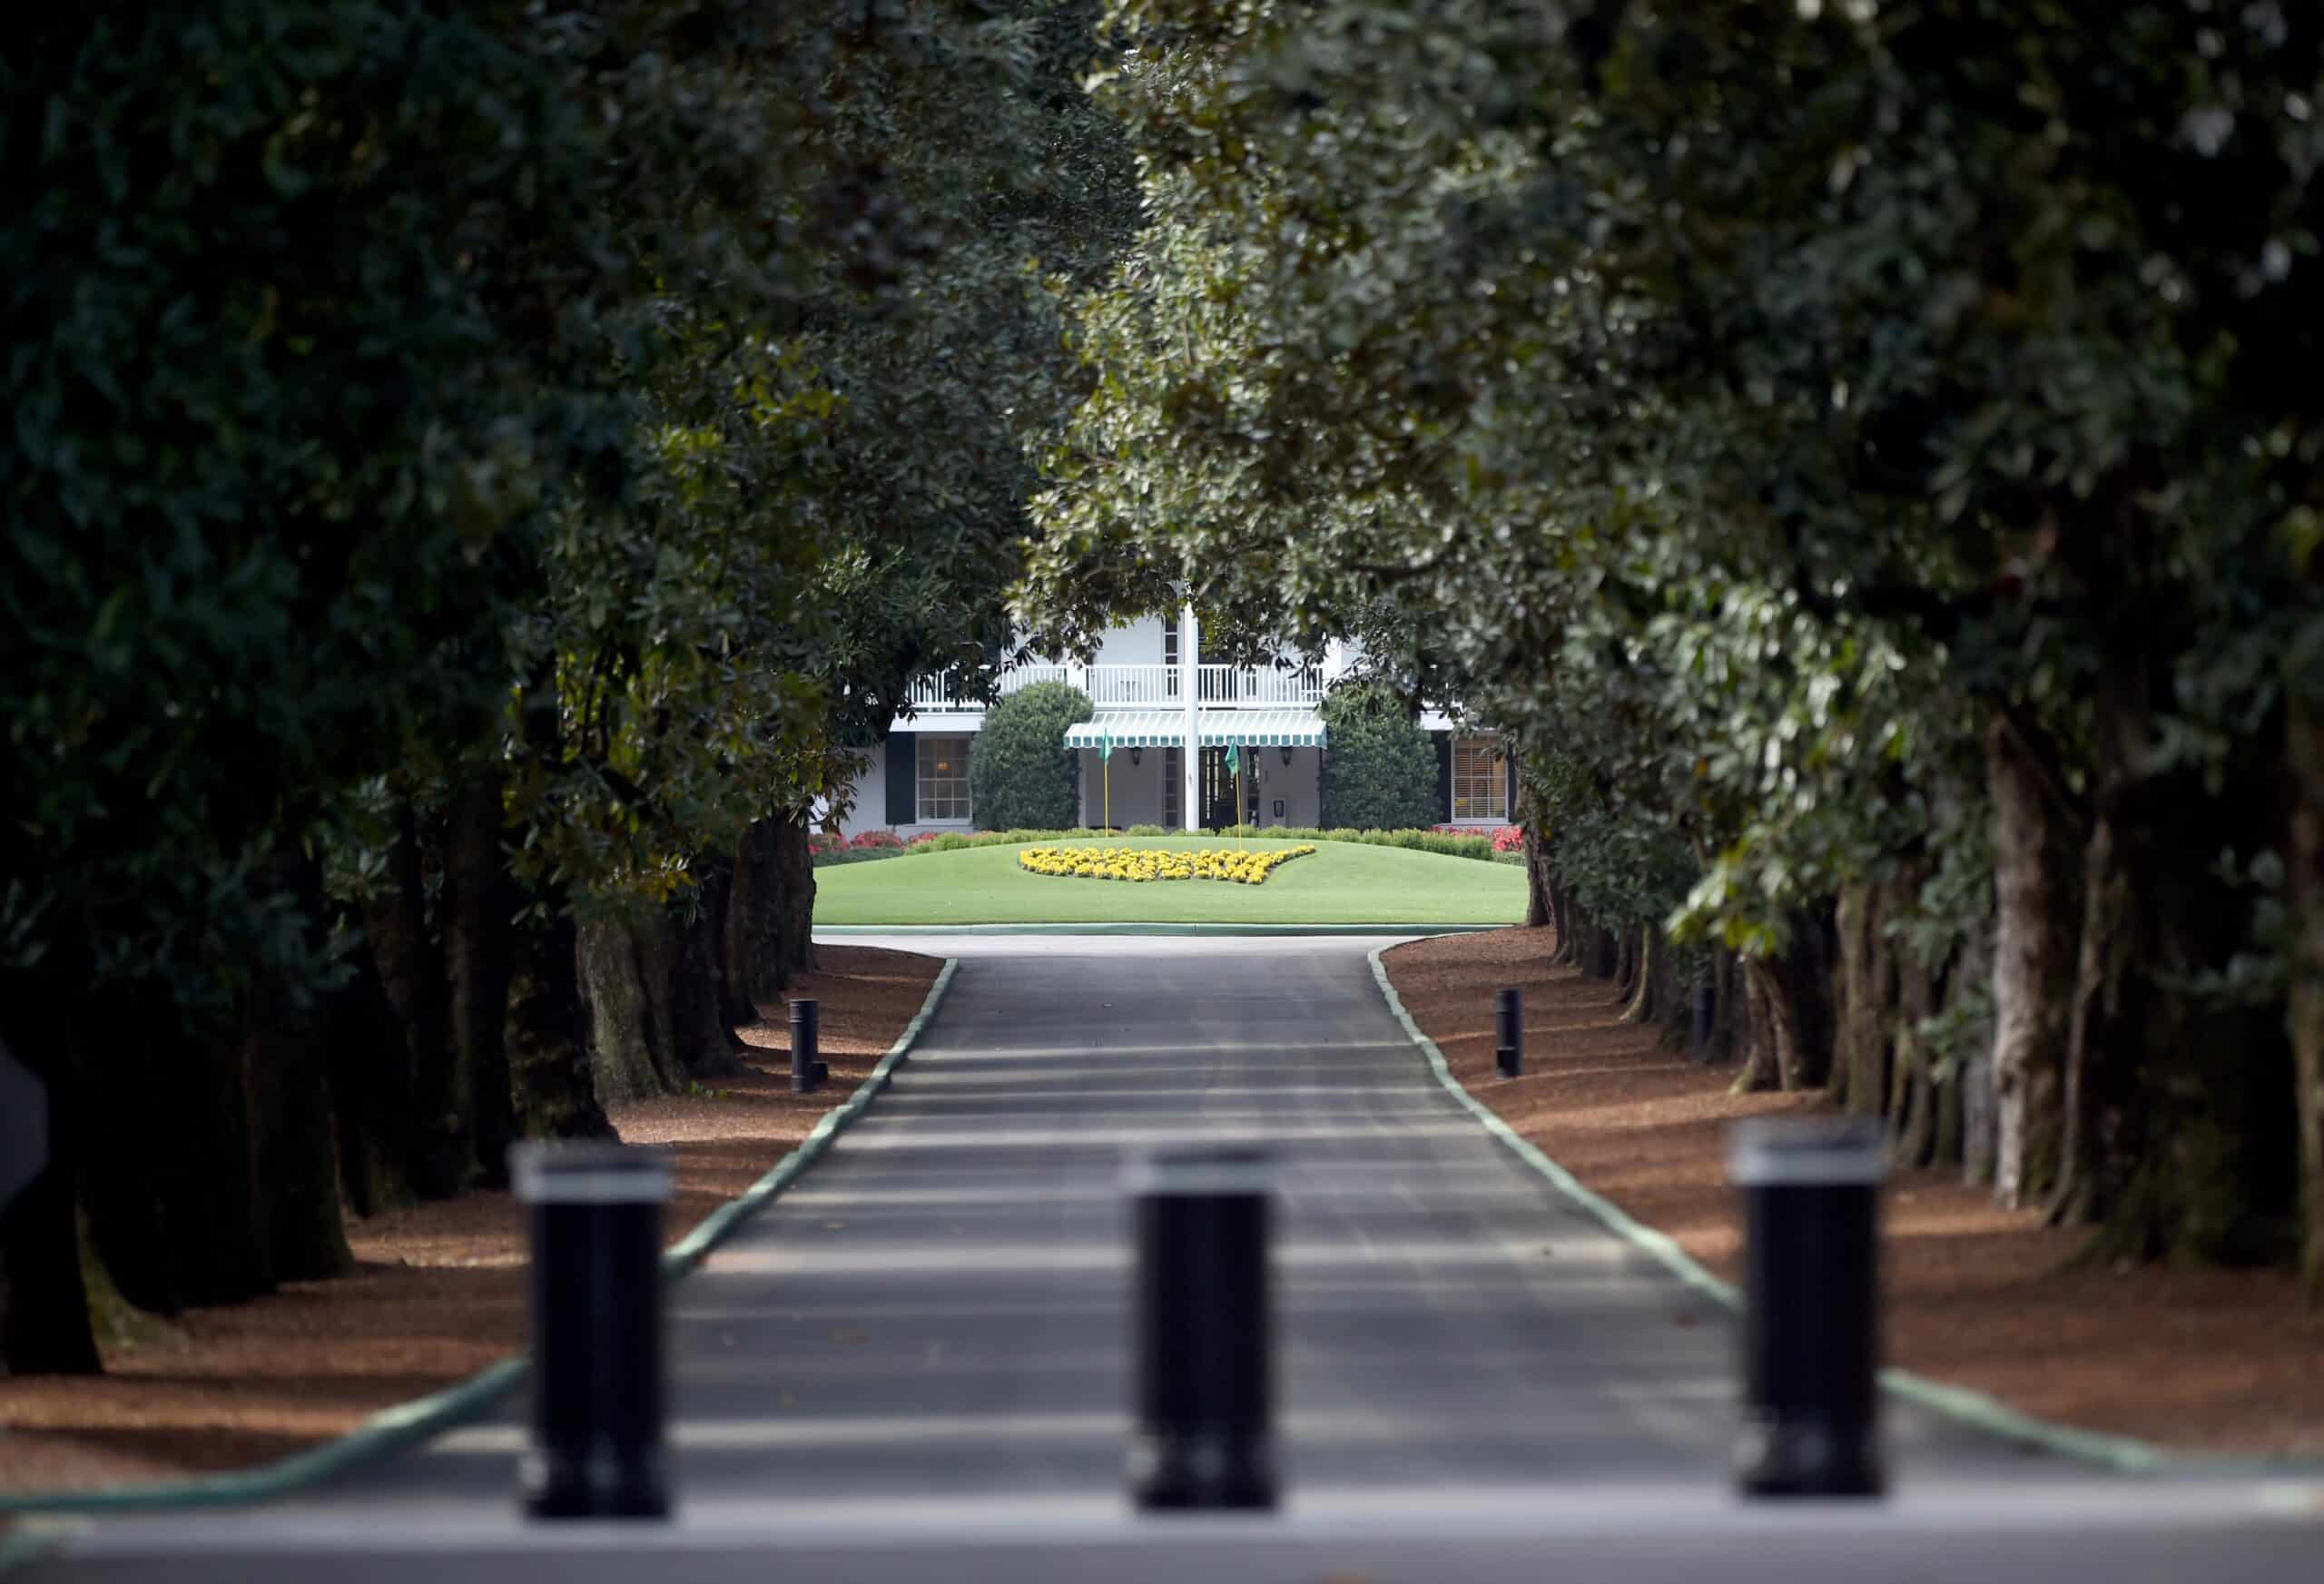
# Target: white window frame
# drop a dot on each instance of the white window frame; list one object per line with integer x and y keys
{"x": 1474, "y": 786}
{"x": 951, "y": 789}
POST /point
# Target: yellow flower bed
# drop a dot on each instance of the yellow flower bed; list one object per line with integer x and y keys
{"x": 1150, "y": 863}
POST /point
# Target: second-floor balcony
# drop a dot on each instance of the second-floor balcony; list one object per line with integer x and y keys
{"x": 1148, "y": 687}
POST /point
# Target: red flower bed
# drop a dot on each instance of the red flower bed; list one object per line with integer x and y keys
{"x": 1505, "y": 838}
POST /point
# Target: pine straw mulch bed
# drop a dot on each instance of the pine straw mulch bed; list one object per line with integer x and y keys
{"x": 438, "y": 1290}
{"x": 1977, "y": 1295}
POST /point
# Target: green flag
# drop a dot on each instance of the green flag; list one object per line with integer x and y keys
{"x": 1105, "y": 747}
{"x": 1234, "y": 760}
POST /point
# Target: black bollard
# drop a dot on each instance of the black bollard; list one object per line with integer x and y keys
{"x": 807, "y": 1070}
{"x": 1811, "y": 1328}
{"x": 596, "y": 1213}
{"x": 1508, "y": 1050}
{"x": 1706, "y": 1011}
{"x": 1205, "y": 1394}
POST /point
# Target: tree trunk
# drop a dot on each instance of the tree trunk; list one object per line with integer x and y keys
{"x": 1762, "y": 1066}
{"x": 43, "y": 1307}
{"x": 1729, "y": 1017}
{"x": 704, "y": 1046}
{"x": 755, "y": 927}
{"x": 1971, "y": 982}
{"x": 1919, "y": 1115}
{"x": 1859, "y": 1078}
{"x": 2032, "y": 987}
{"x": 401, "y": 1134}
{"x": 285, "y": 1055}
{"x": 382, "y": 1140}
{"x": 479, "y": 911}
{"x": 168, "y": 1171}
{"x": 293, "y": 1140}
{"x": 547, "y": 1034}
{"x": 630, "y": 1039}
{"x": 1788, "y": 1026}
{"x": 795, "y": 878}
{"x": 713, "y": 891}
{"x": 1647, "y": 986}
{"x": 1603, "y": 959}
{"x": 1540, "y": 909}
{"x": 2090, "y": 1090}
{"x": 2304, "y": 1012}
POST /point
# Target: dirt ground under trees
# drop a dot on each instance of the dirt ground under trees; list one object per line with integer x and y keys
{"x": 437, "y": 1292}
{"x": 2204, "y": 1360}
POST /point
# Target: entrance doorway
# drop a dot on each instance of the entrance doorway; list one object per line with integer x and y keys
{"x": 1218, "y": 790}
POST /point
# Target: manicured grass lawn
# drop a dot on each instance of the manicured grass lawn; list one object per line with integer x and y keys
{"x": 1340, "y": 882}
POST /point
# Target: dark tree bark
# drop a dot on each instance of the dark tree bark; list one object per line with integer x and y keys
{"x": 1917, "y": 1113}
{"x": 479, "y": 909}
{"x": 795, "y": 878}
{"x": 547, "y": 1032}
{"x": 1603, "y": 955}
{"x": 629, "y": 1044}
{"x": 2032, "y": 973}
{"x": 168, "y": 1167}
{"x": 395, "y": 1073}
{"x": 1866, "y": 994}
{"x": 705, "y": 1045}
{"x": 1650, "y": 969}
{"x": 754, "y": 973}
{"x": 2304, "y": 1011}
{"x": 292, "y": 1141}
{"x": 1539, "y": 909}
{"x": 43, "y": 1307}
{"x": 713, "y": 891}
{"x": 1761, "y": 1056}
{"x": 2094, "y": 1096}
{"x": 1729, "y": 1024}
{"x": 285, "y": 1058}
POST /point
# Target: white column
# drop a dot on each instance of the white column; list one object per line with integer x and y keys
{"x": 1189, "y": 680}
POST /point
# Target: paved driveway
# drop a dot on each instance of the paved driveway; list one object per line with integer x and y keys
{"x": 914, "y": 1364}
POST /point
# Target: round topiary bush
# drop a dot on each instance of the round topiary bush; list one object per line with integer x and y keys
{"x": 1379, "y": 766}
{"x": 1021, "y": 775}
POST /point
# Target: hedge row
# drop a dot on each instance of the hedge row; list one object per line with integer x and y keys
{"x": 1448, "y": 843}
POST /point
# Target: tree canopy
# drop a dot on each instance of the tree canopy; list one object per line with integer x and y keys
{"x": 1858, "y": 453}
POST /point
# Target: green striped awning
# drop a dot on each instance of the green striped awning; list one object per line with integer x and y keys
{"x": 1216, "y": 728}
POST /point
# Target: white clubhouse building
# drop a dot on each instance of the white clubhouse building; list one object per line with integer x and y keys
{"x": 1171, "y": 720}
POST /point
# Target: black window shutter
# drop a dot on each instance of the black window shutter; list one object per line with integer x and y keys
{"x": 1444, "y": 778}
{"x": 904, "y": 779}
{"x": 1508, "y": 768}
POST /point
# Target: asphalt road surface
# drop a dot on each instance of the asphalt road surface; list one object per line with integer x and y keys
{"x": 915, "y": 1364}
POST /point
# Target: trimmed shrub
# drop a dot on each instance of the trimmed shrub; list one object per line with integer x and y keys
{"x": 1379, "y": 766}
{"x": 1020, "y": 773}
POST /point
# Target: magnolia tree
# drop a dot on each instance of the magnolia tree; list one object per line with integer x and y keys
{"x": 1859, "y": 454}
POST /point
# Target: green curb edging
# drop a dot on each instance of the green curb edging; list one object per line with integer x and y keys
{"x": 839, "y": 931}
{"x": 392, "y": 1428}
{"x": 22, "y": 1546}
{"x": 2122, "y": 1454}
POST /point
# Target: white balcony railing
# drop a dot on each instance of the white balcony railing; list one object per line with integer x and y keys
{"x": 1116, "y": 687}
{"x": 939, "y": 695}
{"x": 1234, "y": 686}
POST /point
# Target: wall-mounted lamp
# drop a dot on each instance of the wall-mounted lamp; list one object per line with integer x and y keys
{"x": 1136, "y": 754}
{"x": 1287, "y": 757}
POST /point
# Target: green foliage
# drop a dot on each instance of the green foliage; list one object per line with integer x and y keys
{"x": 1379, "y": 772}
{"x": 1748, "y": 410}
{"x": 1021, "y": 773}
